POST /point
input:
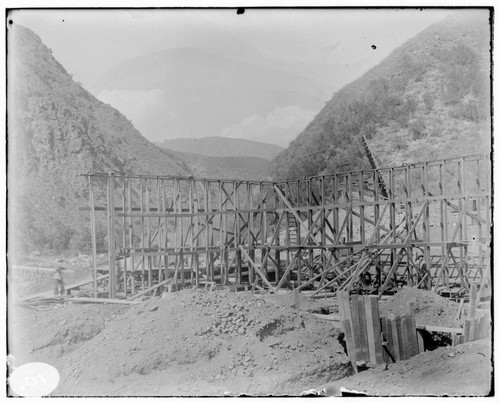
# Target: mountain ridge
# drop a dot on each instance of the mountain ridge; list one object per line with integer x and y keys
{"x": 428, "y": 99}
{"x": 57, "y": 130}
{"x": 216, "y": 146}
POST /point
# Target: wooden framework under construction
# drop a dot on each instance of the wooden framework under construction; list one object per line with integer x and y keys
{"x": 321, "y": 233}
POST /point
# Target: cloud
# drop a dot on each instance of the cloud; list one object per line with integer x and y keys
{"x": 279, "y": 126}
{"x": 148, "y": 110}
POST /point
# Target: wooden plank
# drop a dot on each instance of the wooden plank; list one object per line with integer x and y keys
{"x": 161, "y": 283}
{"x": 373, "y": 329}
{"x": 385, "y": 340}
{"x": 66, "y": 288}
{"x": 355, "y": 327}
{"x": 420, "y": 342}
{"x": 390, "y": 340}
{"x": 404, "y": 344}
{"x": 349, "y": 338}
{"x": 472, "y": 300}
{"x": 472, "y": 331}
{"x": 365, "y": 354}
{"x": 342, "y": 296}
{"x": 101, "y": 300}
{"x": 412, "y": 329}
{"x": 460, "y": 307}
{"x": 467, "y": 326}
{"x": 394, "y": 336}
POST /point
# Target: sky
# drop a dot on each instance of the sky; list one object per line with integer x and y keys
{"x": 314, "y": 52}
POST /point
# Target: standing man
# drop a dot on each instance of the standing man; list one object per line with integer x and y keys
{"x": 58, "y": 282}
{"x": 422, "y": 272}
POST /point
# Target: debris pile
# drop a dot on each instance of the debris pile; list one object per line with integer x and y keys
{"x": 430, "y": 308}
{"x": 193, "y": 343}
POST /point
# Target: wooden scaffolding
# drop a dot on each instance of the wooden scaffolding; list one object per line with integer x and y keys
{"x": 336, "y": 232}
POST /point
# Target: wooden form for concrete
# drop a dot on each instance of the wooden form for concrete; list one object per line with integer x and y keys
{"x": 477, "y": 323}
{"x": 321, "y": 233}
{"x": 373, "y": 339}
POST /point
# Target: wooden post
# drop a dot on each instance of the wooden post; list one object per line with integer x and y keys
{"x": 412, "y": 330}
{"x": 404, "y": 344}
{"x": 131, "y": 237}
{"x": 111, "y": 235}
{"x": 472, "y": 301}
{"x": 420, "y": 342}
{"x": 143, "y": 235}
{"x": 356, "y": 329}
{"x": 373, "y": 329}
{"x": 148, "y": 230}
{"x": 124, "y": 240}
{"x": 393, "y": 329}
{"x": 93, "y": 233}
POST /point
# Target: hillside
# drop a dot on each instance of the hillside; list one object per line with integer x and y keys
{"x": 222, "y": 147}
{"x": 244, "y": 168}
{"x": 429, "y": 99}
{"x": 57, "y": 130}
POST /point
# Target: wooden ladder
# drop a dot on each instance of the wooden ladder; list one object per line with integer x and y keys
{"x": 292, "y": 229}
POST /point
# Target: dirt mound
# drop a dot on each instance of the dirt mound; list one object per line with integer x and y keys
{"x": 430, "y": 308}
{"x": 48, "y": 335}
{"x": 189, "y": 343}
{"x": 464, "y": 370}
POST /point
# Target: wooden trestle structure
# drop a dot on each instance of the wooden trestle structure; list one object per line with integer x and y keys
{"x": 320, "y": 233}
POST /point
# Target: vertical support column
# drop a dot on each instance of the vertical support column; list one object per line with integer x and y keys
{"x": 309, "y": 225}
{"x": 277, "y": 254}
{"x": 479, "y": 208}
{"x": 463, "y": 224}
{"x": 392, "y": 217}
{"x": 263, "y": 229}
{"x": 111, "y": 235}
{"x": 182, "y": 239}
{"x": 408, "y": 216}
{"x": 131, "y": 237}
{"x": 335, "y": 202}
{"x": 208, "y": 210}
{"x": 323, "y": 221}
{"x": 148, "y": 230}
{"x": 250, "y": 231}
{"x": 196, "y": 255}
{"x": 143, "y": 236}
{"x": 376, "y": 212}
{"x": 348, "y": 192}
{"x": 426, "y": 218}
{"x": 176, "y": 230}
{"x": 165, "y": 225}
{"x": 236, "y": 227}
{"x": 222, "y": 233}
{"x": 159, "y": 191}
{"x": 192, "y": 232}
{"x": 443, "y": 216}
{"x": 93, "y": 233}
{"x": 124, "y": 240}
{"x": 361, "y": 191}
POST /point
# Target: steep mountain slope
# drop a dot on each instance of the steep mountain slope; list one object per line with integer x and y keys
{"x": 244, "y": 168}
{"x": 429, "y": 99}
{"x": 223, "y": 147}
{"x": 57, "y": 130}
